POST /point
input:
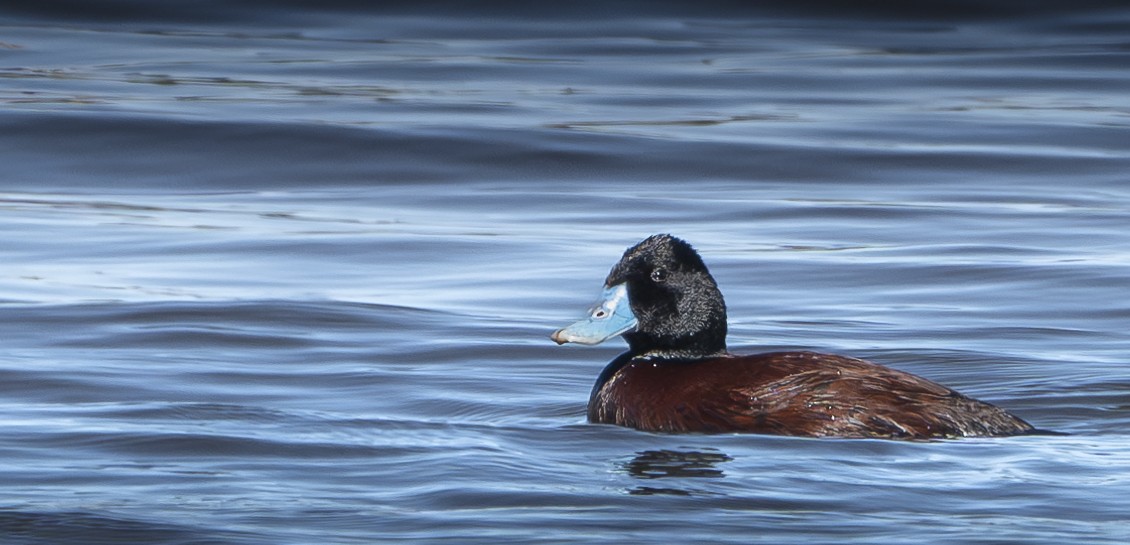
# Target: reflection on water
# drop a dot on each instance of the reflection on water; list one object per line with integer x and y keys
{"x": 663, "y": 464}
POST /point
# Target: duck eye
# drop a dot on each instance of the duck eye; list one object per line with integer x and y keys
{"x": 659, "y": 276}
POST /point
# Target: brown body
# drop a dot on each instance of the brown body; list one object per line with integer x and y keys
{"x": 789, "y": 393}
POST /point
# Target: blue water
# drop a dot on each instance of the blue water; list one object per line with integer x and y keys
{"x": 287, "y": 276}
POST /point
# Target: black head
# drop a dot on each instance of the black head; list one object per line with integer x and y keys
{"x": 679, "y": 308}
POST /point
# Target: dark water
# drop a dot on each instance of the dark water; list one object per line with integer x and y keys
{"x": 276, "y": 274}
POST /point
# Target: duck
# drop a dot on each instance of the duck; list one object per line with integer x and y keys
{"x": 677, "y": 375}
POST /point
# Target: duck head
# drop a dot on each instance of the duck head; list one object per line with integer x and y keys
{"x": 662, "y": 299}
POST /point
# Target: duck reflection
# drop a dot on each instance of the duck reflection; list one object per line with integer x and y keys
{"x": 663, "y": 464}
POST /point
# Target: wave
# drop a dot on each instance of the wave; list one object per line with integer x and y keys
{"x": 296, "y": 11}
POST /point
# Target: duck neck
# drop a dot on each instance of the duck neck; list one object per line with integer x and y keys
{"x": 707, "y": 344}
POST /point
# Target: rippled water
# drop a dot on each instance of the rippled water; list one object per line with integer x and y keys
{"x": 288, "y": 276}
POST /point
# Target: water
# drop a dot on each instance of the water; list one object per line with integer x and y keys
{"x": 287, "y": 276}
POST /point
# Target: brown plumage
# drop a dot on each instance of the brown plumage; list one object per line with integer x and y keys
{"x": 791, "y": 393}
{"x": 677, "y": 375}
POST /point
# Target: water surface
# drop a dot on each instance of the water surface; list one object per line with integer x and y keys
{"x": 288, "y": 276}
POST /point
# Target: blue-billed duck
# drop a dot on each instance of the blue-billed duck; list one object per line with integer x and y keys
{"x": 677, "y": 375}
